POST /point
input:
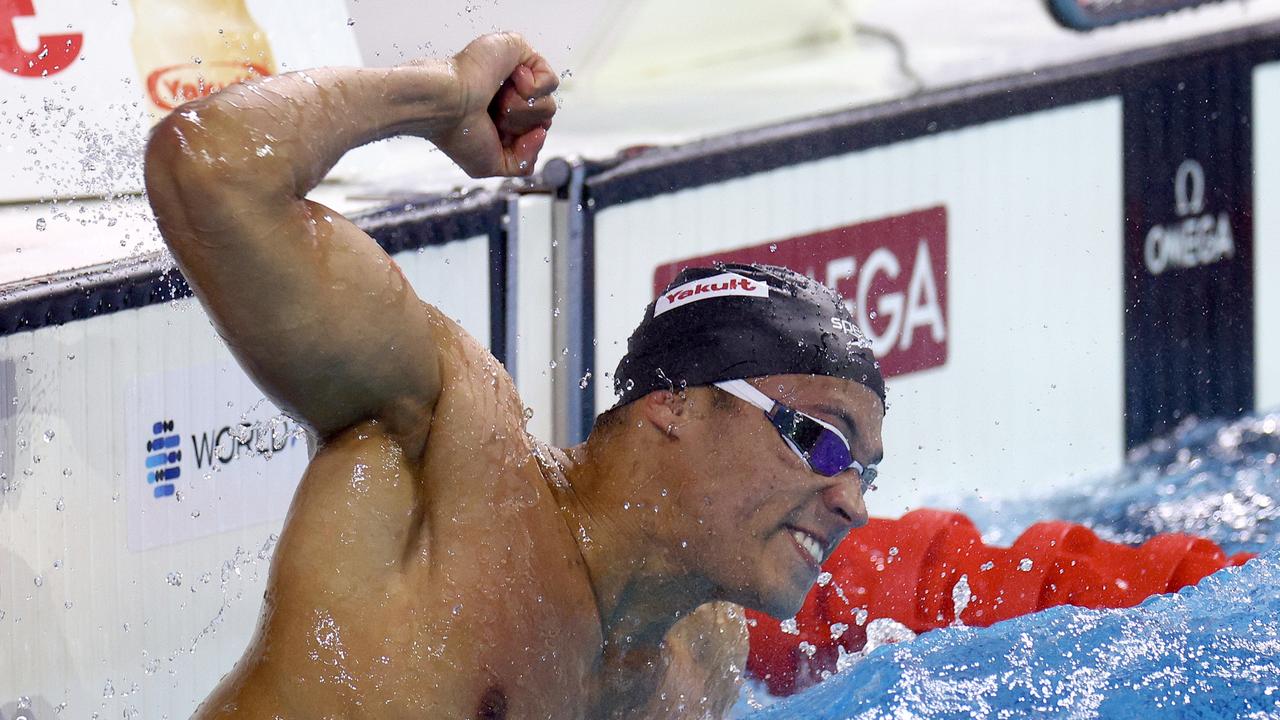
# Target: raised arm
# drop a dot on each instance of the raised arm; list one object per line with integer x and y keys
{"x": 315, "y": 311}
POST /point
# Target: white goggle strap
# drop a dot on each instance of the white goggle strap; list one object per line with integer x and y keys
{"x": 744, "y": 390}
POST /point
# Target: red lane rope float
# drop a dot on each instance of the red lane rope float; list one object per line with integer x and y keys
{"x": 907, "y": 570}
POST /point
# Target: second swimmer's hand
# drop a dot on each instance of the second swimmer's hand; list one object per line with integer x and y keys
{"x": 505, "y": 107}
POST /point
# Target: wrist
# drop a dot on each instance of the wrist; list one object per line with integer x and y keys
{"x": 427, "y": 95}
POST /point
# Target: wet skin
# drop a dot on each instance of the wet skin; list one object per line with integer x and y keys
{"x": 436, "y": 561}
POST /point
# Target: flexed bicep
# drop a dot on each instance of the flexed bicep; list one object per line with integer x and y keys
{"x": 328, "y": 326}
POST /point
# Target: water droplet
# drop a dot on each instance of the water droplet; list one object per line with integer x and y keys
{"x": 1025, "y": 565}
{"x": 986, "y": 566}
{"x": 174, "y": 579}
{"x": 586, "y": 380}
{"x": 351, "y": 21}
{"x": 773, "y": 247}
{"x": 838, "y": 630}
{"x": 41, "y": 224}
{"x": 528, "y": 413}
{"x": 48, "y": 436}
{"x": 60, "y": 505}
{"x": 39, "y": 581}
{"x": 960, "y": 597}
{"x": 884, "y": 631}
{"x": 823, "y": 579}
{"x": 788, "y": 626}
{"x": 109, "y": 690}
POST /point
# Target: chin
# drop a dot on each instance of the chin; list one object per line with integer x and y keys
{"x": 778, "y": 603}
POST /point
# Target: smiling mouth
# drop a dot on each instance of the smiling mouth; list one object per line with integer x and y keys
{"x": 809, "y": 546}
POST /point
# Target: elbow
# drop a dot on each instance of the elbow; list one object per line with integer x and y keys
{"x": 162, "y": 152}
{"x": 191, "y": 178}
{"x": 198, "y": 158}
{"x": 181, "y": 158}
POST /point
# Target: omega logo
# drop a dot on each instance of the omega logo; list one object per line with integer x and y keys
{"x": 1188, "y": 188}
{"x": 1197, "y": 238}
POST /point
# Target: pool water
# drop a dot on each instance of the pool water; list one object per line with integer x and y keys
{"x": 1209, "y": 651}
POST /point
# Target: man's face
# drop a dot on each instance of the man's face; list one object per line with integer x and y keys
{"x": 750, "y": 505}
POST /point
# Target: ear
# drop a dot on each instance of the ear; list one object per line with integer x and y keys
{"x": 665, "y": 411}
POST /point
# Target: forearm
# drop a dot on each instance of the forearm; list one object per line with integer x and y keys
{"x": 277, "y": 137}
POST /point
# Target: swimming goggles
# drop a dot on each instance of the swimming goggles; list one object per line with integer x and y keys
{"x": 822, "y": 447}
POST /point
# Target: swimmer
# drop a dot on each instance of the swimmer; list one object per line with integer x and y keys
{"x": 437, "y": 561}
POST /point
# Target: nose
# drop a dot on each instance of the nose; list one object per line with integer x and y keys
{"x": 844, "y": 499}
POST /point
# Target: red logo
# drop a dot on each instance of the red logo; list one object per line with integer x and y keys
{"x": 169, "y": 87}
{"x": 722, "y": 285}
{"x": 52, "y": 54}
{"x": 892, "y": 273}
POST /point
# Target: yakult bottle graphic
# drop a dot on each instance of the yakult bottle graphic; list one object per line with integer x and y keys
{"x": 186, "y": 49}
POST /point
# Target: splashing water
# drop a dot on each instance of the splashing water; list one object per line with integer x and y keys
{"x": 1211, "y": 650}
{"x": 961, "y": 596}
{"x": 886, "y": 631}
{"x": 1216, "y": 479}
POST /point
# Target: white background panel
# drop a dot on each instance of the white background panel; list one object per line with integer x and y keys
{"x": 1266, "y": 233}
{"x": 533, "y": 312}
{"x": 89, "y": 121}
{"x": 454, "y": 278}
{"x": 1031, "y": 396}
{"x": 111, "y": 630}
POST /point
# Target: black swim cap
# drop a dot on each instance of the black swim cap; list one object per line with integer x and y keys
{"x": 734, "y": 321}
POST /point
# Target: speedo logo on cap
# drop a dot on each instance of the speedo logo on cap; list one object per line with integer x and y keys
{"x": 722, "y": 285}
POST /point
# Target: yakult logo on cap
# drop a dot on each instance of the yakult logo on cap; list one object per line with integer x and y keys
{"x": 722, "y": 285}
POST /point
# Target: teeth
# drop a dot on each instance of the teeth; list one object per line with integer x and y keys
{"x": 810, "y": 544}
